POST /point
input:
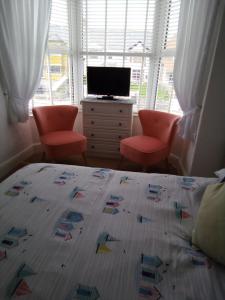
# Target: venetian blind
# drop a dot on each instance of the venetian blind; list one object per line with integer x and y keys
{"x": 59, "y": 26}
{"x": 139, "y": 34}
{"x": 56, "y": 85}
{"x": 118, "y": 26}
{"x": 165, "y": 86}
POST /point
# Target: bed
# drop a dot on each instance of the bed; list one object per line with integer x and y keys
{"x": 71, "y": 232}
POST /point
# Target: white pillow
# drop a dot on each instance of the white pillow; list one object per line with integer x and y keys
{"x": 220, "y": 174}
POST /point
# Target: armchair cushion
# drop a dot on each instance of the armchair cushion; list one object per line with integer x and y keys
{"x": 61, "y": 138}
{"x": 61, "y": 144}
{"x": 144, "y": 150}
{"x": 154, "y": 144}
{"x": 55, "y": 127}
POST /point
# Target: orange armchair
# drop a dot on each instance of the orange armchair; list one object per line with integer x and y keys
{"x": 55, "y": 127}
{"x": 155, "y": 143}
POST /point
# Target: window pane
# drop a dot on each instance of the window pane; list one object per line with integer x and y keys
{"x": 59, "y": 26}
{"x": 136, "y": 25}
{"x": 172, "y": 25}
{"x": 140, "y": 32}
{"x": 150, "y": 26}
{"x": 139, "y": 73}
{"x": 95, "y": 61}
{"x": 110, "y": 26}
{"x": 136, "y": 34}
{"x": 115, "y": 25}
{"x": 114, "y": 61}
{"x": 42, "y": 95}
{"x": 166, "y": 98}
{"x": 55, "y": 82}
{"x": 139, "y": 76}
{"x": 59, "y": 70}
{"x": 94, "y": 25}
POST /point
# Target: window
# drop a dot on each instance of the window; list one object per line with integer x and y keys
{"x": 138, "y": 34}
{"x": 56, "y": 86}
{"x": 136, "y": 74}
{"x": 55, "y": 69}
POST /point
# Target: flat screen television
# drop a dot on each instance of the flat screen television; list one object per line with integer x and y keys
{"x": 108, "y": 82}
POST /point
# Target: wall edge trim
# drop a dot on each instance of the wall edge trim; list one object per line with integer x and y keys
{"x": 7, "y": 167}
{"x": 178, "y": 164}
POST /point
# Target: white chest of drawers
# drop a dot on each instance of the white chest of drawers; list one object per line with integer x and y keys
{"x": 105, "y": 123}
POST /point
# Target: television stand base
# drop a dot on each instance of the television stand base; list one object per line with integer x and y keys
{"x": 106, "y": 98}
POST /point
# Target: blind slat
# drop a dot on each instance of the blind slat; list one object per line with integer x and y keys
{"x": 59, "y": 26}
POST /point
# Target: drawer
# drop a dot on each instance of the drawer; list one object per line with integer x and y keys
{"x": 93, "y": 146}
{"x": 107, "y": 135}
{"x": 107, "y": 123}
{"x": 108, "y": 109}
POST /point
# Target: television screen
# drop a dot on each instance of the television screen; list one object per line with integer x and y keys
{"x": 108, "y": 81}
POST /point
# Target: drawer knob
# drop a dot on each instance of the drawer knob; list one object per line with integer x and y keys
{"x": 92, "y": 109}
{"x": 121, "y": 110}
{"x": 92, "y": 147}
{"x": 92, "y": 134}
{"x": 92, "y": 122}
{"x": 120, "y": 124}
{"x": 119, "y": 136}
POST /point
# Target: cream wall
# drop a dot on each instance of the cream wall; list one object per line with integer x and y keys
{"x": 201, "y": 158}
{"x": 207, "y": 154}
{"x": 14, "y": 139}
{"x": 20, "y": 141}
{"x": 209, "y": 150}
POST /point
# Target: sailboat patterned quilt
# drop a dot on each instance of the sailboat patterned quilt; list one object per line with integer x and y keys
{"x": 71, "y": 232}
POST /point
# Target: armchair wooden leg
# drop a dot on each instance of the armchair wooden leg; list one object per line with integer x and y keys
{"x": 144, "y": 169}
{"x": 43, "y": 157}
{"x": 167, "y": 165}
{"x": 84, "y": 158}
{"x": 120, "y": 162}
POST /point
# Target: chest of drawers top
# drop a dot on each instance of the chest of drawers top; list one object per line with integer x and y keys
{"x": 107, "y": 107}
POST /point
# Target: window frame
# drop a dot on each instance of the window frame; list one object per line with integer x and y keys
{"x": 159, "y": 50}
{"x": 75, "y": 53}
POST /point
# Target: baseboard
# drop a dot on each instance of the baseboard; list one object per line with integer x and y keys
{"x": 8, "y": 166}
{"x": 11, "y": 164}
{"x": 37, "y": 148}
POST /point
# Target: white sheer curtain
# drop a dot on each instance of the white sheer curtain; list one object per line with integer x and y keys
{"x": 199, "y": 25}
{"x": 23, "y": 39}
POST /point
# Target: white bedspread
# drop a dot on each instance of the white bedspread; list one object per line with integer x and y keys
{"x": 70, "y": 232}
